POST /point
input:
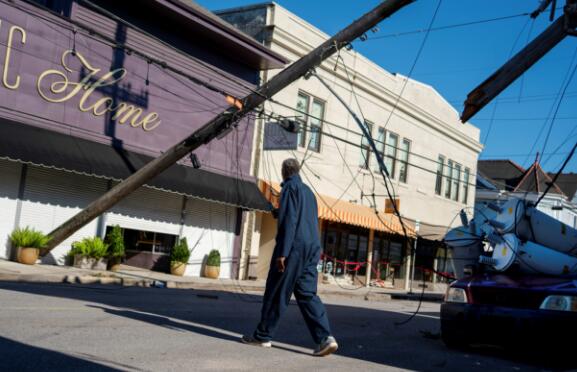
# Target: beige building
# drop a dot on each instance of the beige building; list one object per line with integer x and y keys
{"x": 430, "y": 155}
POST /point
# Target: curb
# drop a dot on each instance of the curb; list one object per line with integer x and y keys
{"x": 427, "y": 297}
{"x": 366, "y": 295}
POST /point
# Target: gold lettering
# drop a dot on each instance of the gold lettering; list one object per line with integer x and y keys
{"x": 62, "y": 85}
{"x": 108, "y": 79}
{"x": 7, "y": 57}
{"x": 151, "y": 119}
{"x": 106, "y": 101}
{"x": 123, "y": 113}
{"x": 61, "y": 89}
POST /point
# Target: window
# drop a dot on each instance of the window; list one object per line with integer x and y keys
{"x": 365, "y": 158}
{"x": 310, "y": 113}
{"x": 317, "y": 112}
{"x": 404, "y": 160}
{"x": 391, "y": 153}
{"x": 147, "y": 241}
{"x": 448, "y": 179}
{"x": 439, "y": 181}
{"x": 466, "y": 185}
{"x": 380, "y": 144}
{"x": 456, "y": 180}
{"x": 302, "y": 108}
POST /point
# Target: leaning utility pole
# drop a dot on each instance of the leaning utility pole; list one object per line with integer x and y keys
{"x": 564, "y": 26}
{"x": 224, "y": 122}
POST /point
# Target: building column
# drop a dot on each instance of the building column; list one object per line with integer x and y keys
{"x": 408, "y": 265}
{"x": 369, "y": 257}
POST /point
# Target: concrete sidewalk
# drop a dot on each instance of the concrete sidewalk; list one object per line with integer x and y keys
{"x": 133, "y": 276}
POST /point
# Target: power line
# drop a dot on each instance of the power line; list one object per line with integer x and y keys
{"x": 113, "y": 43}
{"x": 495, "y": 105}
{"x": 557, "y": 109}
{"x": 420, "y": 50}
{"x": 446, "y": 27}
{"x": 347, "y": 130}
{"x": 528, "y": 119}
{"x": 345, "y": 141}
{"x": 562, "y": 90}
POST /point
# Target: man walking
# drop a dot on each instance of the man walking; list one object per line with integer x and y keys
{"x": 293, "y": 266}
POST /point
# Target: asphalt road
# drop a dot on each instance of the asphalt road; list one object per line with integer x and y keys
{"x": 69, "y": 327}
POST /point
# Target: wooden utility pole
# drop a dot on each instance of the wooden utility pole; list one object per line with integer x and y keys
{"x": 522, "y": 61}
{"x": 223, "y": 122}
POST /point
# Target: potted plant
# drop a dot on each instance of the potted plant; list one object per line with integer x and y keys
{"x": 179, "y": 256}
{"x": 212, "y": 267}
{"x": 28, "y": 242}
{"x": 115, "y": 248}
{"x": 90, "y": 253}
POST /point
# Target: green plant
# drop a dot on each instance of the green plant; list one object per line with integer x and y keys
{"x": 93, "y": 247}
{"x": 180, "y": 252}
{"x": 29, "y": 238}
{"x": 213, "y": 258}
{"x": 116, "y": 243}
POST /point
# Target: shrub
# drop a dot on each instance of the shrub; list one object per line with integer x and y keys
{"x": 29, "y": 238}
{"x": 90, "y": 247}
{"x": 213, "y": 258}
{"x": 116, "y": 243}
{"x": 180, "y": 252}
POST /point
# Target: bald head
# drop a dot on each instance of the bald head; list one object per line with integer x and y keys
{"x": 290, "y": 167}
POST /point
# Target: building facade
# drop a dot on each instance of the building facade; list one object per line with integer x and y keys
{"x": 430, "y": 155}
{"x": 91, "y": 92}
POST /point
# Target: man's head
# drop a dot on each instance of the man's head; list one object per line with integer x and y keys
{"x": 290, "y": 167}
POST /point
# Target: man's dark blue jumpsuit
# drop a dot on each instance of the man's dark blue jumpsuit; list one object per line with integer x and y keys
{"x": 298, "y": 240}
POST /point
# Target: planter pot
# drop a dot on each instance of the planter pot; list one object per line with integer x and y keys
{"x": 28, "y": 256}
{"x": 114, "y": 264}
{"x": 100, "y": 264}
{"x": 83, "y": 262}
{"x": 212, "y": 272}
{"x": 177, "y": 268}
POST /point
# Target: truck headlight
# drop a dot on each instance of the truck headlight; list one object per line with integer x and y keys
{"x": 559, "y": 303}
{"x": 457, "y": 295}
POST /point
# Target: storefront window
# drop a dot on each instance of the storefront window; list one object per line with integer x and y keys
{"x": 147, "y": 241}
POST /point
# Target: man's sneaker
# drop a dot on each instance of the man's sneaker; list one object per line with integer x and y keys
{"x": 328, "y": 346}
{"x": 249, "y": 340}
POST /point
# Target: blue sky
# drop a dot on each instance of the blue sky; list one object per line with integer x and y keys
{"x": 456, "y": 60}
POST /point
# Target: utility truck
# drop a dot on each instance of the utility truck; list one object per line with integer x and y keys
{"x": 516, "y": 279}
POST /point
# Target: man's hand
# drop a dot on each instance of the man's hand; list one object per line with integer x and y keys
{"x": 280, "y": 264}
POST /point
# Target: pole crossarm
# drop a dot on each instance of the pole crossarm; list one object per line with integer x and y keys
{"x": 521, "y": 62}
{"x": 224, "y": 121}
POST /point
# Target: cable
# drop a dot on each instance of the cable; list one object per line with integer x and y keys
{"x": 367, "y": 161}
{"x": 113, "y": 43}
{"x": 157, "y": 39}
{"x": 336, "y": 138}
{"x": 522, "y": 81}
{"x": 557, "y": 175}
{"x": 562, "y": 89}
{"x": 496, "y": 102}
{"x": 422, "y": 46}
{"x": 471, "y": 23}
{"x": 272, "y": 100}
{"x": 557, "y": 108}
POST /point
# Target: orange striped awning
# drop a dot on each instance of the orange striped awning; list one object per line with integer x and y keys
{"x": 335, "y": 210}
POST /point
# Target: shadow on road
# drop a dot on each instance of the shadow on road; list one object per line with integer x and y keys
{"x": 363, "y": 333}
{"x": 16, "y": 356}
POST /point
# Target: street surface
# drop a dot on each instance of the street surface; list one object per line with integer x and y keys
{"x": 57, "y": 327}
